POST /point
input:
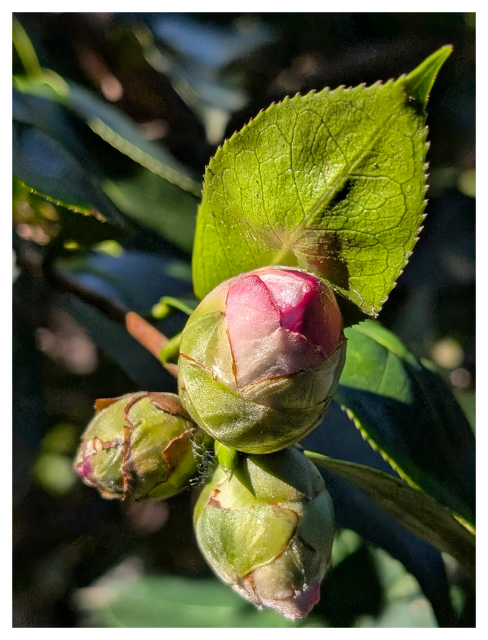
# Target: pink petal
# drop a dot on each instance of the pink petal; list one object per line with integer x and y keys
{"x": 292, "y": 292}
{"x": 322, "y": 322}
{"x": 280, "y": 321}
{"x": 84, "y": 468}
{"x": 304, "y": 602}
{"x": 306, "y": 307}
{"x": 251, "y": 317}
{"x": 296, "y": 606}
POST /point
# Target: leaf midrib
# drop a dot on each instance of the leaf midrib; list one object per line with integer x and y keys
{"x": 335, "y": 188}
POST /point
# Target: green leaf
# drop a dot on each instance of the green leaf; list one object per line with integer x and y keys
{"x": 333, "y": 182}
{"x": 111, "y": 125}
{"x": 420, "y": 81}
{"x": 24, "y": 48}
{"x": 51, "y": 172}
{"x": 168, "y": 601}
{"x": 158, "y": 205}
{"x": 168, "y": 303}
{"x": 408, "y": 414}
{"x": 417, "y": 512}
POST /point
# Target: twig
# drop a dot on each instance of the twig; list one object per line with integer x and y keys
{"x": 147, "y": 335}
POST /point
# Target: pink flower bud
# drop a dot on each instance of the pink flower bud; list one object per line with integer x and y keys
{"x": 260, "y": 358}
{"x": 140, "y": 446}
{"x": 270, "y": 540}
{"x": 277, "y": 325}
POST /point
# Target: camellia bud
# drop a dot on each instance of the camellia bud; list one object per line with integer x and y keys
{"x": 267, "y": 530}
{"x": 141, "y": 446}
{"x": 261, "y": 357}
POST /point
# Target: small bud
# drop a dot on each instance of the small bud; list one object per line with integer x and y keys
{"x": 261, "y": 357}
{"x": 267, "y": 531}
{"x": 141, "y": 446}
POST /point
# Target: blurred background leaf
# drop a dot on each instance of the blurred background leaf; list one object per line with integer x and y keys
{"x": 144, "y": 199}
{"x": 169, "y": 601}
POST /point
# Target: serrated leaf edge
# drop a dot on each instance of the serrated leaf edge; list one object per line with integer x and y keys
{"x": 373, "y": 311}
{"x": 359, "y": 426}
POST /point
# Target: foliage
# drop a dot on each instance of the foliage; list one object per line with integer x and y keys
{"x": 333, "y": 182}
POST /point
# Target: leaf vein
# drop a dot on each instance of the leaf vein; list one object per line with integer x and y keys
{"x": 335, "y": 187}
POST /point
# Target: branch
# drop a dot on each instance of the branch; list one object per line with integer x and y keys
{"x": 144, "y": 332}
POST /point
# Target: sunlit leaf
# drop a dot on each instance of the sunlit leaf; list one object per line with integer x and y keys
{"x": 333, "y": 182}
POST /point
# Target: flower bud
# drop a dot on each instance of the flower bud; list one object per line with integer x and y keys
{"x": 261, "y": 357}
{"x": 141, "y": 446}
{"x": 267, "y": 530}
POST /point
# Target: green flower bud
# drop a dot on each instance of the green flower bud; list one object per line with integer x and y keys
{"x": 261, "y": 357}
{"x": 267, "y": 530}
{"x": 141, "y": 446}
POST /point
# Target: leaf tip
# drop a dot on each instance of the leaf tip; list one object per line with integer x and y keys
{"x": 420, "y": 81}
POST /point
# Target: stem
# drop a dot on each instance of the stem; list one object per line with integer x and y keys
{"x": 150, "y": 338}
{"x": 162, "y": 308}
{"x": 147, "y": 335}
{"x": 170, "y": 350}
{"x": 25, "y": 50}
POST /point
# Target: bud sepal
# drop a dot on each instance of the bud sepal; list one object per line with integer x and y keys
{"x": 261, "y": 357}
{"x": 140, "y": 446}
{"x": 270, "y": 537}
